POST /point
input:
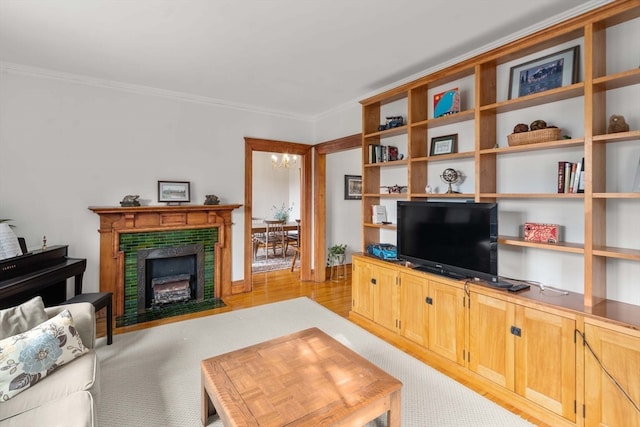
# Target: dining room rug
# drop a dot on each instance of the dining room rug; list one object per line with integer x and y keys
{"x": 273, "y": 263}
{"x": 151, "y": 377}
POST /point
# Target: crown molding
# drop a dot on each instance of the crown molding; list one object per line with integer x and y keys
{"x": 27, "y": 70}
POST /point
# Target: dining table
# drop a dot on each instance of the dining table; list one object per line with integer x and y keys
{"x": 258, "y": 226}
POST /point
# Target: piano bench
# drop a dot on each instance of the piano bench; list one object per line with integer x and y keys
{"x": 99, "y": 300}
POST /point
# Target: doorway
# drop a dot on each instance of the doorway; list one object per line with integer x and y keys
{"x": 303, "y": 152}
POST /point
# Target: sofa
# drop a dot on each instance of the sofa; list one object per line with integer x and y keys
{"x": 67, "y": 395}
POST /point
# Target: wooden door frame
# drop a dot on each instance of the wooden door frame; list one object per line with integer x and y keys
{"x": 272, "y": 146}
{"x": 320, "y": 196}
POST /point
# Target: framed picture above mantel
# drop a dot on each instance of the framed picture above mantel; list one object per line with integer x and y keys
{"x": 173, "y": 192}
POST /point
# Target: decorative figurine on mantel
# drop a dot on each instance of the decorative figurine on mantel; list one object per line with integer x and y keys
{"x": 617, "y": 123}
{"x": 130, "y": 200}
{"x": 211, "y": 199}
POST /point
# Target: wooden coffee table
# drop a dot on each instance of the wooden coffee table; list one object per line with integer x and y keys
{"x": 306, "y": 378}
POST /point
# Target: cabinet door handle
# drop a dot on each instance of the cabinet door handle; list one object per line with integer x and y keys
{"x": 516, "y": 331}
{"x": 429, "y": 300}
{"x": 373, "y": 281}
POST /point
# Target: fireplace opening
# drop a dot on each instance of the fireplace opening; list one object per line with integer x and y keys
{"x": 170, "y": 275}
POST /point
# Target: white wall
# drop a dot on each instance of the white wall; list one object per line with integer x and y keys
{"x": 274, "y": 187}
{"x": 66, "y": 146}
{"x": 343, "y": 216}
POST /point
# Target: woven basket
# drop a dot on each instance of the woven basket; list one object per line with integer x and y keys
{"x": 534, "y": 136}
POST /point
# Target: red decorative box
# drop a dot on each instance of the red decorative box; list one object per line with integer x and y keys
{"x": 543, "y": 233}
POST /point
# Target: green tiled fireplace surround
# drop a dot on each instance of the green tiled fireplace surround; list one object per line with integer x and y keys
{"x": 130, "y": 243}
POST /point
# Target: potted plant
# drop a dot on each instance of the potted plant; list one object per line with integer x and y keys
{"x": 336, "y": 254}
{"x": 281, "y": 213}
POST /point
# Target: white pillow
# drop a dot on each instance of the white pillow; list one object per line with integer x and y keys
{"x": 28, "y": 357}
{"x": 21, "y": 318}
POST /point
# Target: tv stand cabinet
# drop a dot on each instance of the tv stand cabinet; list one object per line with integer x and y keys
{"x": 523, "y": 348}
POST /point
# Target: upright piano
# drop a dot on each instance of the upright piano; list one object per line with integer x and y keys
{"x": 41, "y": 272}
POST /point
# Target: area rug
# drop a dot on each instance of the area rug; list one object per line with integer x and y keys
{"x": 273, "y": 263}
{"x": 151, "y": 377}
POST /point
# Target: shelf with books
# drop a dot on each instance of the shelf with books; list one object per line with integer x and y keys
{"x": 576, "y": 248}
{"x": 386, "y": 164}
{"x": 607, "y": 83}
{"x": 578, "y": 196}
{"x": 441, "y": 157}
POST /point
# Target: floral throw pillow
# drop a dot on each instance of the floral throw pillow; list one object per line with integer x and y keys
{"x": 28, "y": 357}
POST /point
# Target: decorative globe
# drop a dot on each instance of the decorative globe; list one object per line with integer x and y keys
{"x": 450, "y": 176}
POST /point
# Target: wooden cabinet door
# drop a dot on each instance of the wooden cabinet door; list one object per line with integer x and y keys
{"x": 446, "y": 321}
{"x": 361, "y": 289}
{"x": 385, "y": 297}
{"x": 413, "y": 308}
{"x": 619, "y": 353}
{"x": 546, "y": 360}
{"x": 491, "y": 344}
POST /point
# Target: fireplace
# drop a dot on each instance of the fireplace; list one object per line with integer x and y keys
{"x": 170, "y": 275}
{"x": 125, "y": 231}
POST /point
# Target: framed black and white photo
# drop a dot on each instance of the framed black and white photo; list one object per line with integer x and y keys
{"x": 549, "y": 72}
{"x": 444, "y": 145}
{"x": 352, "y": 187}
{"x": 174, "y": 191}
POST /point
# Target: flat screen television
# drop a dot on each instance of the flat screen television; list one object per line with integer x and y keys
{"x": 459, "y": 240}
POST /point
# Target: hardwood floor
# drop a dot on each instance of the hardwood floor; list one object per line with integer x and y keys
{"x": 282, "y": 285}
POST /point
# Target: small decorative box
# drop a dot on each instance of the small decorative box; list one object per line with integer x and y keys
{"x": 543, "y": 233}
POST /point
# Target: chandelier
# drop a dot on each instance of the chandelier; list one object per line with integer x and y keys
{"x": 285, "y": 162}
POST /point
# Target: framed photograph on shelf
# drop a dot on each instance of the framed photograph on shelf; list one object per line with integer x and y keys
{"x": 549, "y": 72}
{"x": 445, "y": 103}
{"x": 352, "y": 187}
{"x": 174, "y": 191}
{"x": 444, "y": 145}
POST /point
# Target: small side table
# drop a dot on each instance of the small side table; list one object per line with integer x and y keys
{"x": 338, "y": 270}
{"x": 99, "y": 300}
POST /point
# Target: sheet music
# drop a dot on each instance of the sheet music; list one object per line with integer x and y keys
{"x": 9, "y": 245}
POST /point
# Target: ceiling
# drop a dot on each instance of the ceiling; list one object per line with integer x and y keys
{"x": 295, "y": 57}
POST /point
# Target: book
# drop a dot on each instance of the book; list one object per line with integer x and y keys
{"x": 379, "y": 214}
{"x": 561, "y": 168}
{"x": 445, "y": 103}
{"x": 572, "y": 177}
{"x": 576, "y": 179}
{"x": 567, "y": 176}
{"x": 581, "y": 179}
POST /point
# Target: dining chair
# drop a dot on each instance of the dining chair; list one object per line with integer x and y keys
{"x": 294, "y": 241}
{"x": 273, "y": 237}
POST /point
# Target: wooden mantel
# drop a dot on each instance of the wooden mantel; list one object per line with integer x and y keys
{"x": 116, "y": 220}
